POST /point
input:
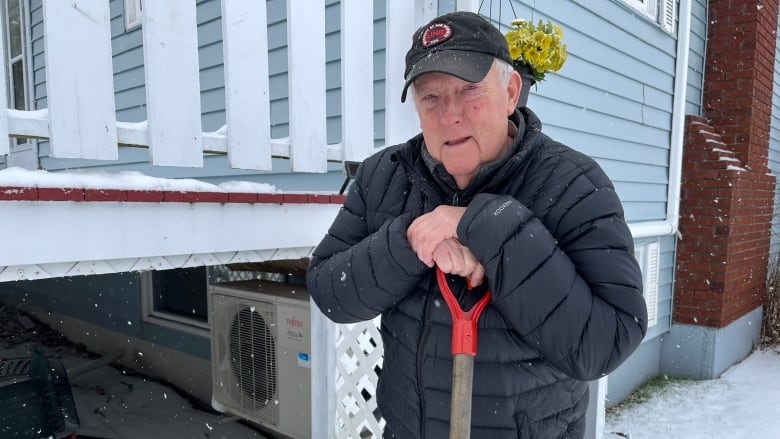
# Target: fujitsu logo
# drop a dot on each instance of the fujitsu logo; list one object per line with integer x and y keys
{"x": 295, "y": 323}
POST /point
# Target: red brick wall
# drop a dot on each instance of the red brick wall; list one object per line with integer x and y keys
{"x": 725, "y": 217}
{"x": 739, "y": 75}
{"x": 727, "y": 190}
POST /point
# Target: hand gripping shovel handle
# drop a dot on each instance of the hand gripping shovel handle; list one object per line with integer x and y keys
{"x": 464, "y": 348}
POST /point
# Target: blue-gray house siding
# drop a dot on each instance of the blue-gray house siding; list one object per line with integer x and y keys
{"x": 774, "y": 159}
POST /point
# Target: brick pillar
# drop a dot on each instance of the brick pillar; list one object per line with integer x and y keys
{"x": 727, "y": 190}
{"x": 739, "y": 74}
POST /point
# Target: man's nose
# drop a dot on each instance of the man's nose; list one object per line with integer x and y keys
{"x": 451, "y": 110}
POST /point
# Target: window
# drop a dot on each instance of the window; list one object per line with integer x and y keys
{"x": 15, "y": 41}
{"x": 660, "y": 11}
{"x": 133, "y": 10}
{"x": 176, "y": 298}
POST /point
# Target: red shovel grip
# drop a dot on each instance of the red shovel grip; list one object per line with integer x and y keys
{"x": 464, "y": 323}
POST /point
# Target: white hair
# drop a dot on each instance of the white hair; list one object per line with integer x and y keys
{"x": 504, "y": 72}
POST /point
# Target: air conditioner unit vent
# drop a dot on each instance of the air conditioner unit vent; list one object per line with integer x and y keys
{"x": 260, "y": 337}
{"x": 253, "y": 358}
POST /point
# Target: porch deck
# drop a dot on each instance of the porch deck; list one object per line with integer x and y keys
{"x": 81, "y": 231}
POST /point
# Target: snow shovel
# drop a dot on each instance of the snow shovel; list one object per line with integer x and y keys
{"x": 464, "y": 348}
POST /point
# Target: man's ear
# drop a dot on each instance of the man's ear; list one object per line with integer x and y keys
{"x": 513, "y": 91}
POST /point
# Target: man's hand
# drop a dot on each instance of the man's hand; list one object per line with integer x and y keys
{"x": 434, "y": 238}
{"x": 428, "y": 231}
{"x": 455, "y": 258}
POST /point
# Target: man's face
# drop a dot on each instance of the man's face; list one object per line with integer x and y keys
{"x": 464, "y": 124}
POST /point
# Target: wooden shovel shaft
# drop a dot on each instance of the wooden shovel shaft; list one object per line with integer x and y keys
{"x": 464, "y": 348}
{"x": 460, "y": 406}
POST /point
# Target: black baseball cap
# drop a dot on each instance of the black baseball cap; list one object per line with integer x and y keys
{"x": 461, "y": 44}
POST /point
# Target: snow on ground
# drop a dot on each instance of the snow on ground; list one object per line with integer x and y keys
{"x": 743, "y": 403}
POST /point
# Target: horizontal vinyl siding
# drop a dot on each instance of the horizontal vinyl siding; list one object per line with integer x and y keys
{"x": 130, "y": 97}
{"x": 613, "y": 98}
{"x": 38, "y": 72}
{"x": 277, "y": 67}
{"x": 774, "y": 156}
{"x": 697, "y": 55}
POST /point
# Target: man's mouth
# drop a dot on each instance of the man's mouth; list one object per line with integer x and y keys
{"x": 456, "y": 141}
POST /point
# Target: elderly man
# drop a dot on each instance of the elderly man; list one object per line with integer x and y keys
{"x": 486, "y": 197}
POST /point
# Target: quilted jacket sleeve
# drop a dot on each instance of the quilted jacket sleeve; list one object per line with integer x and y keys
{"x": 565, "y": 277}
{"x": 357, "y": 273}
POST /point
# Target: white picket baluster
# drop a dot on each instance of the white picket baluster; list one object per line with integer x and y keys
{"x": 80, "y": 95}
{"x": 357, "y": 79}
{"x": 4, "y": 141}
{"x": 306, "y": 76}
{"x": 247, "y": 109}
{"x": 172, "y": 83}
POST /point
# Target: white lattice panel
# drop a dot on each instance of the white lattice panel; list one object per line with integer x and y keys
{"x": 358, "y": 361}
{"x": 79, "y": 268}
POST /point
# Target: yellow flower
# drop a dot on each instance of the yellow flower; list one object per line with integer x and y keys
{"x": 537, "y": 47}
{"x": 514, "y": 52}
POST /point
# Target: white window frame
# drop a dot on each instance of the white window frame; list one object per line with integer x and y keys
{"x": 646, "y": 7}
{"x": 660, "y": 11}
{"x": 133, "y": 11}
{"x": 24, "y": 57}
{"x": 166, "y": 319}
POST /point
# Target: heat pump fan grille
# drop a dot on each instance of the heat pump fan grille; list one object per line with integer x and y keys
{"x": 250, "y": 351}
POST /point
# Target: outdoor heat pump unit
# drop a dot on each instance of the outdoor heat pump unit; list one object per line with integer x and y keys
{"x": 260, "y": 354}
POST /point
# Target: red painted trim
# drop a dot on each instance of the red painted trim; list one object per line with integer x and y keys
{"x": 60, "y": 194}
{"x": 295, "y": 198}
{"x": 269, "y": 198}
{"x": 145, "y": 196}
{"x": 105, "y": 195}
{"x": 19, "y": 193}
{"x": 10, "y": 193}
{"x": 242, "y": 197}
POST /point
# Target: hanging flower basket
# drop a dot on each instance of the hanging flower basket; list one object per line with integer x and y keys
{"x": 535, "y": 50}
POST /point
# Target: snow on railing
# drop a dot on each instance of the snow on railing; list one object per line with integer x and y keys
{"x": 80, "y": 121}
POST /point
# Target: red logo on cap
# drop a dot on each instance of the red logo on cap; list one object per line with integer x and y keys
{"x": 435, "y": 34}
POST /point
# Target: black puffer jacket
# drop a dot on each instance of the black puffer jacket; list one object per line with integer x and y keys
{"x": 566, "y": 302}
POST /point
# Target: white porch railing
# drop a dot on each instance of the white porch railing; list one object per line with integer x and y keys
{"x": 80, "y": 121}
